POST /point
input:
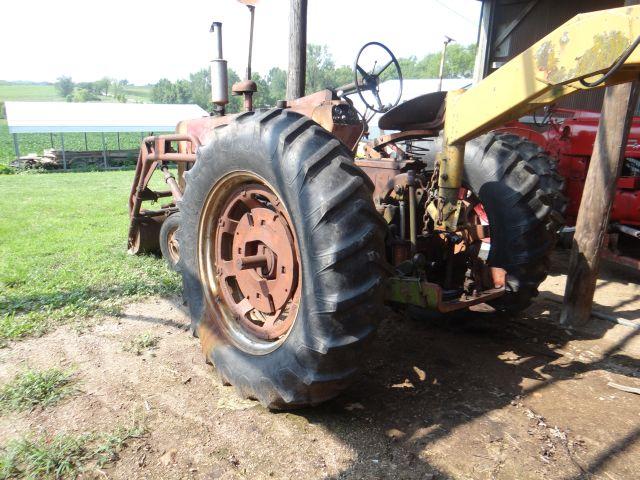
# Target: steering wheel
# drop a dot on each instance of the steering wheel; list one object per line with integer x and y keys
{"x": 370, "y": 81}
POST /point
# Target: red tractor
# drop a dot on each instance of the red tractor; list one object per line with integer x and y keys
{"x": 569, "y": 136}
{"x": 290, "y": 245}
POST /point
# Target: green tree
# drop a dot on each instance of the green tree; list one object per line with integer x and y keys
{"x": 81, "y": 94}
{"x": 162, "y": 92}
{"x": 458, "y": 64}
{"x": 235, "y": 101}
{"x": 262, "y": 98}
{"x": 118, "y": 90}
{"x": 460, "y": 61}
{"x": 201, "y": 88}
{"x": 103, "y": 85}
{"x": 342, "y": 75}
{"x": 182, "y": 90}
{"x": 320, "y": 68}
{"x": 277, "y": 84}
{"x": 64, "y": 86}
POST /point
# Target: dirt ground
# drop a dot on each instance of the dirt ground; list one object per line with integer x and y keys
{"x": 478, "y": 397}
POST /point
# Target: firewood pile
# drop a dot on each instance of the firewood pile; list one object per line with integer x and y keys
{"x": 51, "y": 159}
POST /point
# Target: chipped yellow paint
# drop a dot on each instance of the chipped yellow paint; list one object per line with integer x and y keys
{"x": 582, "y": 48}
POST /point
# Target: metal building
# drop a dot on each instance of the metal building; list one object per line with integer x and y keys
{"x": 64, "y": 117}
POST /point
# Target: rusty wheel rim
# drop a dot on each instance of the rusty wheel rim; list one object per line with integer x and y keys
{"x": 250, "y": 262}
{"x": 174, "y": 247}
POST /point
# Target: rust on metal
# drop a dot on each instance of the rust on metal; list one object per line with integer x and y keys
{"x": 246, "y": 88}
{"x": 257, "y": 261}
{"x": 174, "y": 246}
{"x": 155, "y": 151}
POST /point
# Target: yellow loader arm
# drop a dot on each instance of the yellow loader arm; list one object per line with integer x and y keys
{"x": 595, "y": 49}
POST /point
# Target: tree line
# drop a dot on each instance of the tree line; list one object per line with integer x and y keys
{"x": 321, "y": 73}
{"x": 91, "y": 91}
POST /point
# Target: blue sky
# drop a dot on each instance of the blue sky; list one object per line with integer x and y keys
{"x": 144, "y": 40}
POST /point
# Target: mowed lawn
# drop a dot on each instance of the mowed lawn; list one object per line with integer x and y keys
{"x": 63, "y": 252}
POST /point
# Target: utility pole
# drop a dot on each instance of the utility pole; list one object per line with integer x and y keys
{"x": 447, "y": 41}
{"x": 597, "y": 198}
{"x": 297, "y": 49}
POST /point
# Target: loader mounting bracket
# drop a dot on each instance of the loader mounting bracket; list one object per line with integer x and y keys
{"x": 420, "y": 293}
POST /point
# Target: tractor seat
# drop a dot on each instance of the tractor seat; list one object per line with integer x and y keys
{"x": 425, "y": 112}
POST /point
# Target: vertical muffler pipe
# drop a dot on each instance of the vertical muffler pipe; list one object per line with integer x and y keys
{"x": 219, "y": 80}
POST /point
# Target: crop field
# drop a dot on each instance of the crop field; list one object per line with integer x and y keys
{"x": 37, "y": 142}
{"x": 63, "y": 244}
{"x": 28, "y": 93}
{"x": 47, "y": 93}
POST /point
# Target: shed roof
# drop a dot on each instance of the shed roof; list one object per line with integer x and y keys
{"x": 31, "y": 117}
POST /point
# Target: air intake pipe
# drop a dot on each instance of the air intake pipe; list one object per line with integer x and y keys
{"x": 219, "y": 81}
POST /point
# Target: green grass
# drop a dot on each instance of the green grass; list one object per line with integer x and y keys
{"x": 63, "y": 248}
{"x": 33, "y": 388}
{"x": 138, "y": 93}
{"x": 28, "y": 92}
{"x": 63, "y": 455}
{"x": 31, "y": 92}
{"x": 142, "y": 342}
{"x": 56, "y": 457}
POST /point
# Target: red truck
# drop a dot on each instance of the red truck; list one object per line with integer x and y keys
{"x": 569, "y": 136}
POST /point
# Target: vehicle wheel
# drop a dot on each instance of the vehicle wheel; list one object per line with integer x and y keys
{"x": 281, "y": 253}
{"x": 169, "y": 245}
{"x": 521, "y": 193}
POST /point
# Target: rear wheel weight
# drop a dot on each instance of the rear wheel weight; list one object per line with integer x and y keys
{"x": 325, "y": 204}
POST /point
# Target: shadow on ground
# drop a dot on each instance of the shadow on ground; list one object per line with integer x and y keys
{"x": 431, "y": 378}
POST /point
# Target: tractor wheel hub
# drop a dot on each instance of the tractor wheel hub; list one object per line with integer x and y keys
{"x": 257, "y": 261}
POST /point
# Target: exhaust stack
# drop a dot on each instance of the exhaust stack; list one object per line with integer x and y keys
{"x": 219, "y": 80}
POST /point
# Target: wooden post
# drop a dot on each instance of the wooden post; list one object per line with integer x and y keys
{"x": 64, "y": 153}
{"x": 104, "y": 152}
{"x": 86, "y": 144}
{"x": 16, "y": 146}
{"x": 597, "y": 198}
{"x": 297, "y": 49}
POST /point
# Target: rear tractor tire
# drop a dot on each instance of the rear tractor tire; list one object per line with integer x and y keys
{"x": 282, "y": 258}
{"x": 521, "y": 193}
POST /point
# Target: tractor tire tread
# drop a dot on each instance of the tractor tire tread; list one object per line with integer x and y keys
{"x": 342, "y": 251}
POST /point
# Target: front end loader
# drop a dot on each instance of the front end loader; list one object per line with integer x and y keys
{"x": 290, "y": 245}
